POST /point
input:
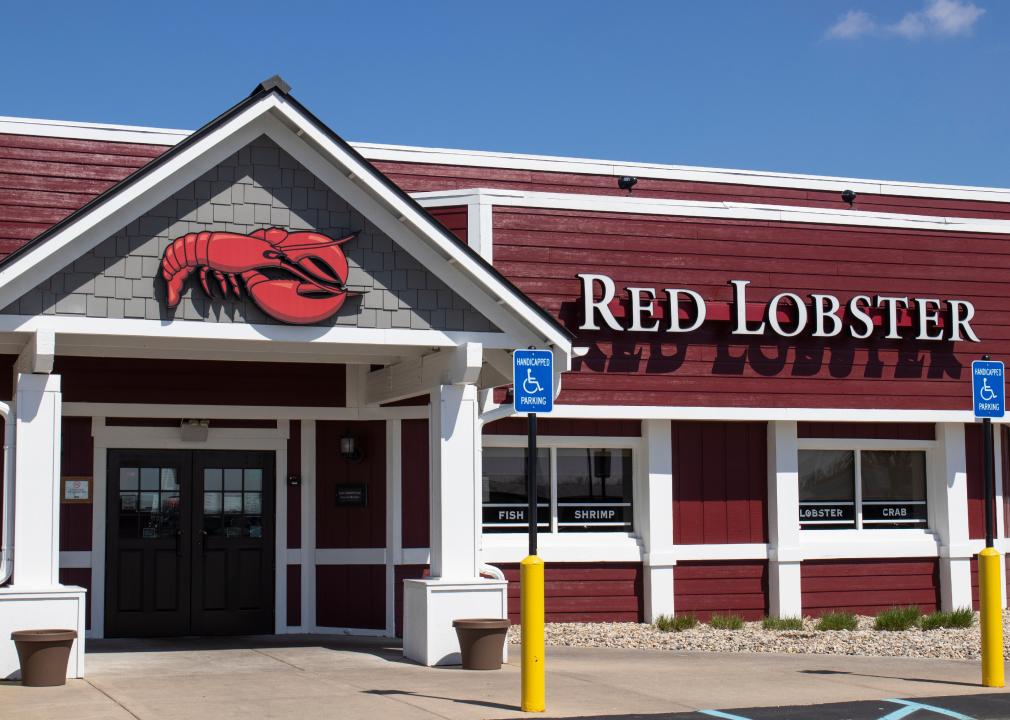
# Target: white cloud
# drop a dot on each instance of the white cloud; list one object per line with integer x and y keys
{"x": 937, "y": 18}
{"x": 855, "y": 23}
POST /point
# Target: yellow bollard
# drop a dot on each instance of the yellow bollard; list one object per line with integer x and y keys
{"x": 531, "y": 591}
{"x": 990, "y": 617}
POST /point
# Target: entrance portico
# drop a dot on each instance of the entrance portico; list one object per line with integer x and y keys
{"x": 424, "y": 330}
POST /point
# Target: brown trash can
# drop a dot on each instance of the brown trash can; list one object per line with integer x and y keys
{"x": 481, "y": 641}
{"x": 43, "y": 655}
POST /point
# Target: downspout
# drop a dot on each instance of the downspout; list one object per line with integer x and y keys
{"x": 7, "y": 558}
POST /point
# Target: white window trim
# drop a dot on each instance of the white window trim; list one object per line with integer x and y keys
{"x": 857, "y": 445}
{"x": 553, "y": 538}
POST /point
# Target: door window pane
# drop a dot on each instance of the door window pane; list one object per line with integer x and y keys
{"x": 233, "y": 479}
{"x": 594, "y": 489}
{"x": 504, "y": 489}
{"x": 168, "y": 479}
{"x": 150, "y": 478}
{"x": 253, "y": 479}
{"x": 233, "y": 503}
{"x": 212, "y": 479}
{"x": 827, "y": 489}
{"x": 129, "y": 479}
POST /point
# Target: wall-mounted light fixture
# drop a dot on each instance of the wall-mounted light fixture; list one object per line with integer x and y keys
{"x": 626, "y": 182}
{"x": 194, "y": 430}
{"x": 350, "y": 449}
{"x": 849, "y": 196}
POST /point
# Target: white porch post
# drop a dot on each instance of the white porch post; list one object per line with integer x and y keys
{"x": 656, "y": 519}
{"x": 784, "y": 555}
{"x": 35, "y": 599}
{"x": 455, "y": 588}
{"x": 948, "y": 502}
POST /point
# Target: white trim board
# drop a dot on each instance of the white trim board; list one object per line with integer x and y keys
{"x": 544, "y": 163}
{"x": 696, "y": 208}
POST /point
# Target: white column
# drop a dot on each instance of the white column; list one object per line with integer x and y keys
{"x": 784, "y": 589}
{"x": 948, "y": 502}
{"x": 37, "y": 478}
{"x": 654, "y": 512}
{"x": 307, "y": 455}
{"x": 394, "y": 516}
{"x": 455, "y": 588}
{"x": 454, "y": 497}
{"x": 35, "y": 599}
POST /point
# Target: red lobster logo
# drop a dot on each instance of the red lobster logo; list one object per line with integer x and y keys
{"x": 293, "y": 277}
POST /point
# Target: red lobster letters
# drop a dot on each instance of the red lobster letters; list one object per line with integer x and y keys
{"x": 293, "y": 277}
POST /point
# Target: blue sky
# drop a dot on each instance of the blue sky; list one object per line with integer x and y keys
{"x": 909, "y": 90}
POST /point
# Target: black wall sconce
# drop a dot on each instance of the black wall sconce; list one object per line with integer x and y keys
{"x": 350, "y": 449}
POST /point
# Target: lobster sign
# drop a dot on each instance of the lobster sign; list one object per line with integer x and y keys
{"x": 297, "y": 277}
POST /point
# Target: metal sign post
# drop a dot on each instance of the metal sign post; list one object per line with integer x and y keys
{"x": 988, "y": 396}
{"x": 533, "y": 392}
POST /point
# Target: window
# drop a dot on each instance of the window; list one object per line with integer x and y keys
{"x": 581, "y": 489}
{"x": 862, "y": 489}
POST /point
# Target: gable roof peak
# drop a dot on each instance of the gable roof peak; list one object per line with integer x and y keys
{"x": 274, "y": 82}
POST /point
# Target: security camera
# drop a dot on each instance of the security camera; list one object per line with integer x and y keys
{"x": 626, "y": 182}
{"x": 849, "y": 197}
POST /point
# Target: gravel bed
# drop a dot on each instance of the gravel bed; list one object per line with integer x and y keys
{"x": 957, "y": 644}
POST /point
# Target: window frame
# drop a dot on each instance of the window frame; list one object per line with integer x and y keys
{"x": 552, "y": 443}
{"x": 857, "y": 446}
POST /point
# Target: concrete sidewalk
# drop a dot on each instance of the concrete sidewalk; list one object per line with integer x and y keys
{"x": 303, "y": 678}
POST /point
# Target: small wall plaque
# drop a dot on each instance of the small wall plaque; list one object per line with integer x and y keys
{"x": 76, "y": 488}
{"x": 352, "y": 495}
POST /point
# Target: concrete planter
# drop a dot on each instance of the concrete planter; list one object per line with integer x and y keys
{"x": 481, "y": 641}
{"x": 43, "y": 655}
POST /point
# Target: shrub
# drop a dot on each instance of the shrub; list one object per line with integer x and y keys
{"x": 789, "y": 623}
{"x": 676, "y": 623}
{"x": 725, "y": 622}
{"x": 961, "y": 618}
{"x": 837, "y": 621}
{"x": 897, "y": 618}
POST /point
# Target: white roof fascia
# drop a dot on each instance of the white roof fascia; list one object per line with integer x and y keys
{"x": 696, "y": 208}
{"x": 546, "y": 163}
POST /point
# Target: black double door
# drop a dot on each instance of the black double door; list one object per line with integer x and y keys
{"x": 190, "y": 543}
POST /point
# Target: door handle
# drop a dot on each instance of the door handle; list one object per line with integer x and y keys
{"x": 203, "y": 541}
{"x": 178, "y": 543}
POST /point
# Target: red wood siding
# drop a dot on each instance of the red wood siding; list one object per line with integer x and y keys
{"x": 294, "y": 594}
{"x": 169, "y": 382}
{"x": 584, "y": 592}
{"x": 351, "y": 596}
{"x": 739, "y": 587}
{"x": 976, "y": 486}
{"x": 418, "y": 177}
{"x": 868, "y": 586}
{"x": 720, "y": 482}
{"x": 42, "y": 180}
{"x": 877, "y": 431}
{"x": 541, "y": 251}
{"x": 453, "y": 218}
{"x": 76, "y": 458}
{"x": 564, "y": 426}
{"x": 414, "y": 479}
{"x": 294, "y": 491}
{"x": 350, "y": 526}
{"x": 82, "y": 578}
{"x": 404, "y": 572}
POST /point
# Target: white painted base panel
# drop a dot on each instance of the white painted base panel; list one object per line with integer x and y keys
{"x": 60, "y": 607}
{"x": 430, "y": 606}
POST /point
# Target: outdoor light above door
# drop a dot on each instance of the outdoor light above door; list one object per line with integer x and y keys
{"x": 350, "y": 450}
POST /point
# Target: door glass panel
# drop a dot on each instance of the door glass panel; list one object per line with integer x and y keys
{"x": 212, "y": 479}
{"x": 253, "y": 503}
{"x": 212, "y": 503}
{"x": 149, "y": 478}
{"x": 129, "y": 478}
{"x": 232, "y": 503}
{"x": 169, "y": 481}
{"x": 149, "y": 502}
{"x": 233, "y": 479}
{"x": 253, "y": 479}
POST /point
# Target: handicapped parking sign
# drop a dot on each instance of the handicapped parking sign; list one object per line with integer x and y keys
{"x": 533, "y": 381}
{"x": 987, "y": 388}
